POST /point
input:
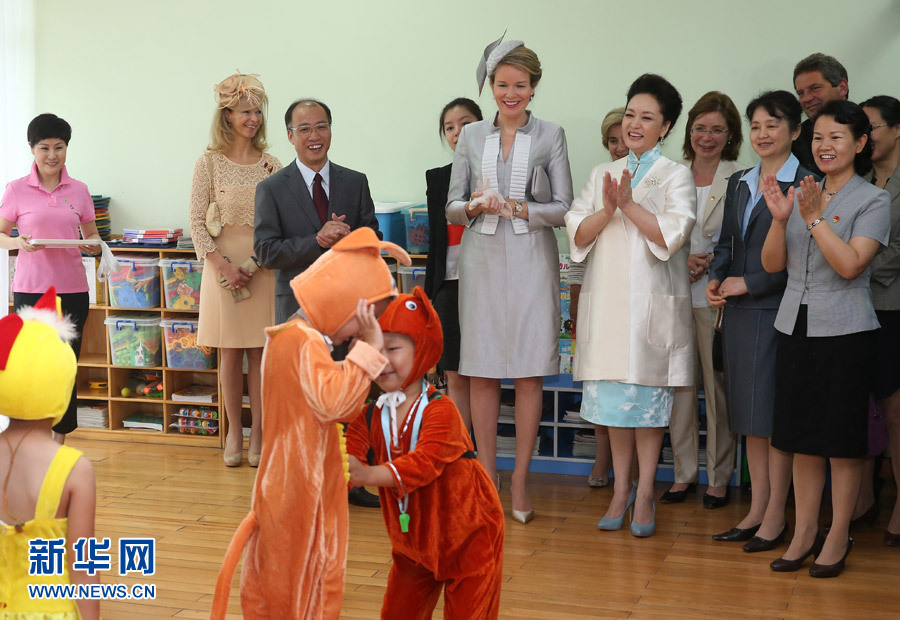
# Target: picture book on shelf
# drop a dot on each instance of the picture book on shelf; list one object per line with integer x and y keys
{"x": 197, "y": 394}
{"x": 143, "y": 421}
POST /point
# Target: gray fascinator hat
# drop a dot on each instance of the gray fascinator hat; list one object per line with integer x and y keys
{"x": 492, "y": 56}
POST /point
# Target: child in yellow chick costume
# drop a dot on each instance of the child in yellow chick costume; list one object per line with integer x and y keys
{"x": 48, "y": 489}
{"x": 295, "y": 538}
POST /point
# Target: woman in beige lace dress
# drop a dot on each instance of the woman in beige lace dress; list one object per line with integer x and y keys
{"x": 238, "y": 161}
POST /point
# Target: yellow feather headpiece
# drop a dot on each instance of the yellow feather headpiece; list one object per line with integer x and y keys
{"x": 37, "y": 365}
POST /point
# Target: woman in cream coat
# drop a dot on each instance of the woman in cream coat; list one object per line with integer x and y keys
{"x": 635, "y": 336}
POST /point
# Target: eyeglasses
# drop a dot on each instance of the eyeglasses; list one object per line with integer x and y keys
{"x": 873, "y": 127}
{"x": 306, "y": 130}
{"x": 715, "y": 133}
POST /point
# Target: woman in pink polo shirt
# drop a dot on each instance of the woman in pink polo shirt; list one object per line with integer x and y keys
{"x": 49, "y": 204}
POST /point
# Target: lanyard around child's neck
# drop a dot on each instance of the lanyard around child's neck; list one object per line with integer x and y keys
{"x": 388, "y": 403}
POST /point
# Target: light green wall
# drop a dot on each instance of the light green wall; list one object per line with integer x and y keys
{"x": 135, "y": 78}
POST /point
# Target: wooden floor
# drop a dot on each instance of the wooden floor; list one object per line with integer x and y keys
{"x": 559, "y": 566}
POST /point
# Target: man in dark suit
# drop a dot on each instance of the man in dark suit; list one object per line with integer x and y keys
{"x": 309, "y": 205}
{"x": 818, "y": 79}
{"x": 304, "y": 209}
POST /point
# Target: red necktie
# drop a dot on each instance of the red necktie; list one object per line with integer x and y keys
{"x": 320, "y": 199}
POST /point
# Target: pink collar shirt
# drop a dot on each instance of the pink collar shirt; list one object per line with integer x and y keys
{"x": 48, "y": 215}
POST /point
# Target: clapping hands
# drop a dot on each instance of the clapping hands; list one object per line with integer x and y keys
{"x": 811, "y": 201}
{"x": 616, "y": 193}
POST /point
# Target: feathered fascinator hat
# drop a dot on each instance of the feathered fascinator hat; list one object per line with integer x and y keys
{"x": 414, "y": 316}
{"x": 37, "y": 365}
{"x": 492, "y": 56}
{"x": 232, "y": 89}
{"x": 329, "y": 289}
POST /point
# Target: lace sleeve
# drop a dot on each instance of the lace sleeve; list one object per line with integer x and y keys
{"x": 203, "y": 242}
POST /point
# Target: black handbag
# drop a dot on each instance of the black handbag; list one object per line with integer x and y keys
{"x": 717, "y": 357}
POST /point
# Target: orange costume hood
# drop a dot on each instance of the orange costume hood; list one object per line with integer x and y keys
{"x": 330, "y": 288}
{"x": 414, "y": 316}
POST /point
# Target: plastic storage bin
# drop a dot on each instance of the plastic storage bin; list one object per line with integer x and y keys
{"x": 181, "y": 283}
{"x": 417, "y": 230}
{"x": 134, "y": 340}
{"x": 390, "y": 217}
{"x": 391, "y": 267}
{"x": 136, "y": 283}
{"x": 182, "y": 350}
{"x": 411, "y": 277}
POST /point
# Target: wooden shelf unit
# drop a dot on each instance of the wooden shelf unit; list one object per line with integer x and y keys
{"x": 94, "y": 364}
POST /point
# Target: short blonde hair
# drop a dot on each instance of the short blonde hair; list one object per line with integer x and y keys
{"x": 613, "y": 117}
{"x": 521, "y": 58}
{"x": 221, "y": 135}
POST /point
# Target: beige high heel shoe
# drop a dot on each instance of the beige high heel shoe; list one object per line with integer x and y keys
{"x": 522, "y": 516}
{"x": 233, "y": 459}
{"x": 253, "y": 458}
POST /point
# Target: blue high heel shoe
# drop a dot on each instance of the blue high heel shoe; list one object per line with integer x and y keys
{"x": 643, "y": 530}
{"x": 615, "y": 523}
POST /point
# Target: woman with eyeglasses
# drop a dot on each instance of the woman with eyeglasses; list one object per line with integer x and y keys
{"x": 712, "y": 142}
{"x": 749, "y": 297}
{"x": 510, "y": 184}
{"x": 632, "y": 224}
{"x": 442, "y": 265}
{"x": 826, "y": 237}
{"x": 234, "y": 162}
{"x": 884, "y": 114}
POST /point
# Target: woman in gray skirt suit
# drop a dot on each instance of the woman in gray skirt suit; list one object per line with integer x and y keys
{"x": 509, "y": 261}
{"x": 751, "y": 297}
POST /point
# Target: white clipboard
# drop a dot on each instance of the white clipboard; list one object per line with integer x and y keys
{"x": 63, "y": 243}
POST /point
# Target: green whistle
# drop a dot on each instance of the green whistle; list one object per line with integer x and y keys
{"x": 404, "y": 522}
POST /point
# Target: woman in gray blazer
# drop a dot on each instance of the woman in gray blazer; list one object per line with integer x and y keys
{"x": 510, "y": 184}
{"x": 884, "y": 114}
{"x": 826, "y": 237}
{"x": 750, "y": 297}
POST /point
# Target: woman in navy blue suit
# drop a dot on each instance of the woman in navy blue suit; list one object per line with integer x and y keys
{"x": 751, "y": 296}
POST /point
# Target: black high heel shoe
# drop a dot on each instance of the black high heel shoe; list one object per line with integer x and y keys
{"x": 830, "y": 570}
{"x": 788, "y": 566}
{"x": 756, "y": 543}
{"x": 737, "y": 534}
{"x": 677, "y": 497}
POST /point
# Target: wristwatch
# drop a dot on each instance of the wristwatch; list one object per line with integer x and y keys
{"x": 818, "y": 220}
{"x": 520, "y": 206}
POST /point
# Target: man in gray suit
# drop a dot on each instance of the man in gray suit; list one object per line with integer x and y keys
{"x": 304, "y": 209}
{"x": 307, "y": 206}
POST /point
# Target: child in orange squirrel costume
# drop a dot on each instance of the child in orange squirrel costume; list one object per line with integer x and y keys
{"x": 296, "y": 532}
{"x": 441, "y": 509}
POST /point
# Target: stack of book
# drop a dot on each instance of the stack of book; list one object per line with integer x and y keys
{"x": 197, "y": 394}
{"x": 143, "y": 421}
{"x": 156, "y": 236}
{"x": 573, "y": 416}
{"x": 93, "y": 415}
{"x": 101, "y": 213}
{"x": 506, "y": 443}
{"x": 584, "y": 443}
{"x": 185, "y": 243}
{"x": 507, "y": 411}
